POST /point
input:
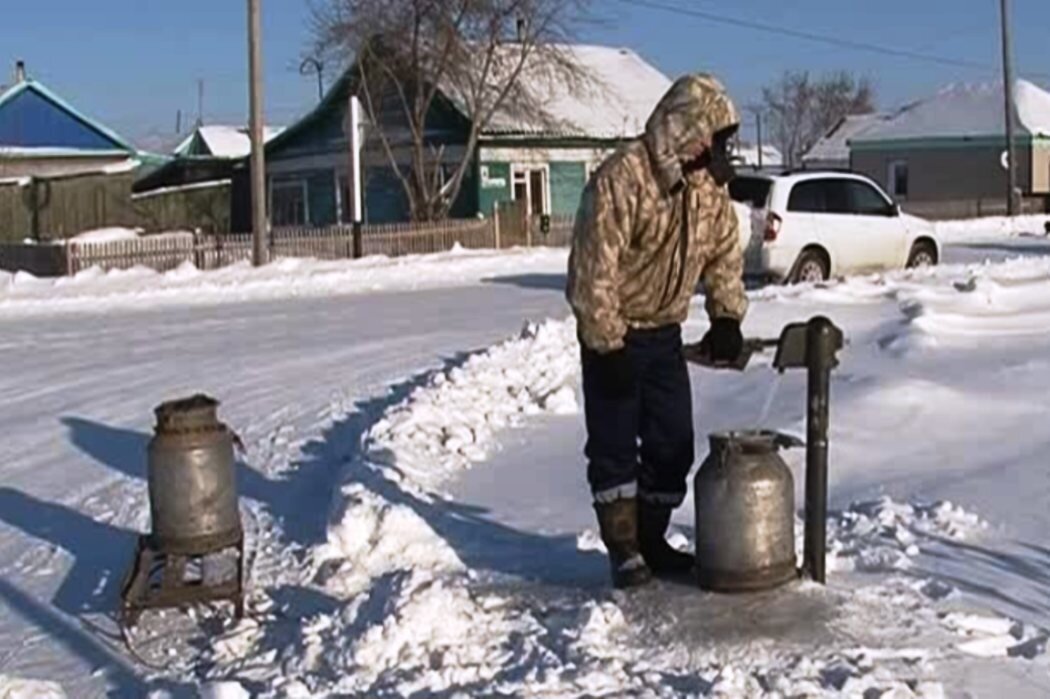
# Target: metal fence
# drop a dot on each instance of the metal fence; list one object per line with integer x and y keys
{"x": 205, "y": 251}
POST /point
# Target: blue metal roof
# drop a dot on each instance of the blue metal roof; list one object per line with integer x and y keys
{"x": 31, "y": 116}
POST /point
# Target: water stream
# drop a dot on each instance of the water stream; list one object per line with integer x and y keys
{"x": 763, "y": 416}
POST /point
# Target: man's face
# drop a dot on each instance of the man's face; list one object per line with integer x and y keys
{"x": 693, "y": 150}
{"x": 720, "y": 165}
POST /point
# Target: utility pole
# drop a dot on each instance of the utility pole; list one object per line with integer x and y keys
{"x": 258, "y": 156}
{"x": 757, "y": 111}
{"x": 1008, "y": 90}
{"x": 758, "y": 129}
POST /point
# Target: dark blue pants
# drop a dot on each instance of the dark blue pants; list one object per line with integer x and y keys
{"x": 640, "y": 441}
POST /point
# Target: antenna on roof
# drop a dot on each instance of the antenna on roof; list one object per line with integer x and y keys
{"x": 200, "y": 102}
{"x": 20, "y": 72}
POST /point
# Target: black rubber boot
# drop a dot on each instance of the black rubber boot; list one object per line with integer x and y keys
{"x": 662, "y": 558}
{"x": 618, "y": 522}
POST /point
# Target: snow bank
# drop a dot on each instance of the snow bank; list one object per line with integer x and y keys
{"x": 17, "y": 688}
{"x": 452, "y": 422}
{"x": 994, "y": 301}
{"x": 107, "y": 235}
{"x": 95, "y": 291}
{"x": 439, "y": 429}
{"x": 989, "y": 228}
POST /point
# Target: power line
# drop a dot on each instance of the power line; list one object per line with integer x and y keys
{"x": 807, "y": 36}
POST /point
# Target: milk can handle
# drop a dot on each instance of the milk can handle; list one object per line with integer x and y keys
{"x": 782, "y": 440}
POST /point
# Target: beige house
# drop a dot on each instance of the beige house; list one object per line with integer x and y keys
{"x": 946, "y": 156}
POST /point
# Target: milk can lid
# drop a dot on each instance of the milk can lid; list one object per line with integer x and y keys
{"x": 196, "y": 412}
{"x": 754, "y": 441}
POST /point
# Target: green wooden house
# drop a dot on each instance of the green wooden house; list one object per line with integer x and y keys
{"x": 543, "y": 163}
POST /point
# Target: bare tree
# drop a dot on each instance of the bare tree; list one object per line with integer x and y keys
{"x": 410, "y": 56}
{"x": 802, "y": 109}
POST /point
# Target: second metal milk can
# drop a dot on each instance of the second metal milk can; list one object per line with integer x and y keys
{"x": 192, "y": 484}
{"x": 745, "y": 513}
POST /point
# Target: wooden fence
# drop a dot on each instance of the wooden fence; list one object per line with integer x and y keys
{"x": 417, "y": 239}
{"x": 55, "y": 208}
{"x": 205, "y": 251}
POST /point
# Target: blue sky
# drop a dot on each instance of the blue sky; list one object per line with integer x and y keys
{"x": 134, "y": 63}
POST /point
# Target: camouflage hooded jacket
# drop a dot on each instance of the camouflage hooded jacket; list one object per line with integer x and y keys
{"x": 647, "y": 231}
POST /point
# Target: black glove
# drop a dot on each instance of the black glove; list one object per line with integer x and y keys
{"x": 614, "y": 372}
{"x": 723, "y": 342}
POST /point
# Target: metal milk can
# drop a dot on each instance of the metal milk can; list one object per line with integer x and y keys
{"x": 745, "y": 513}
{"x": 192, "y": 485}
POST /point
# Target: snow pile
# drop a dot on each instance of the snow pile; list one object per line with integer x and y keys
{"x": 1011, "y": 299}
{"x": 439, "y": 429}
{"x": 93, "y": 290}
{"x": 990, "y": 228}
{"x": 107, "y": 235}
{"x": 884, "y": 536}
{"x": 444, "y": 426}
{"x": 17, "y": 688}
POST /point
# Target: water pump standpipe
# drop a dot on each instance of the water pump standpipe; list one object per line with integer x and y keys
{"x": 814, "y": 346}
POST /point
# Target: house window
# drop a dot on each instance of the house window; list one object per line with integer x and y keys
{"x": 532, "y": 186}
{"x": 898, "y": 179}
{"x": 288, "y": 203}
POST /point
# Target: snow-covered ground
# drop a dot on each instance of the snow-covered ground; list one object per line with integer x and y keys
{"x": 414, "y": 489}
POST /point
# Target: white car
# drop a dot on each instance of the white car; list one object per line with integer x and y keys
{"x": 808, "y": 226}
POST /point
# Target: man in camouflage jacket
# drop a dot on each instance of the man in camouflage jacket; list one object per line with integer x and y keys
{"x": 655, "y": 219}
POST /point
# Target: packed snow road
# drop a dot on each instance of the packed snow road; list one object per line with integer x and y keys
{"x": 496, "y": 589}
{"x": 77, "y": 414}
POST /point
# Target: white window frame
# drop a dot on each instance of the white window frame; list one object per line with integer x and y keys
{"x": 526, "y": 171}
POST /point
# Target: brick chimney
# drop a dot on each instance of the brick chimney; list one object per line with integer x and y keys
{"x": 20, "y": 72}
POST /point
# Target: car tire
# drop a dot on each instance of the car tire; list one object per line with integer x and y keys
{"x": 811, "y": 266}
{"x": 923, "y": 254}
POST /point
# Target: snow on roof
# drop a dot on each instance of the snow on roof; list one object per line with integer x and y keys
{"x": 624, "y": 91}
{"x": 834, "y": 145}
{"x": 209, "y": 184}
{"x": 967, "y": 111}
{"x": 748, "y": 154}
{"x": 226, "y": 141}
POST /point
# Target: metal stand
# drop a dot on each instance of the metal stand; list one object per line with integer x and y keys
{"x": 160, "y": 578}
